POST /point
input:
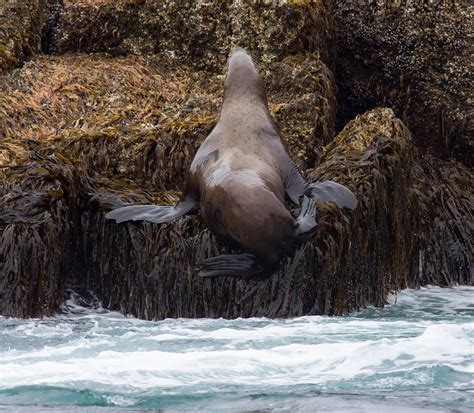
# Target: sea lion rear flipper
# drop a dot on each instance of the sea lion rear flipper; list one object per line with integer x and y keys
{"x": 306, "y": 221}
{"x": 293, "y": 180}
{"x": 329, "y": 191}
{"x": 153, "y": 213}
{"x": 233, "y": 265}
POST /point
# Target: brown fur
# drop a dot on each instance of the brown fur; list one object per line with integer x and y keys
{"x": 236, "y": 172}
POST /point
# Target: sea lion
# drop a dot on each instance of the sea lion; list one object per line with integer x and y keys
{"x": 238, "y": 180}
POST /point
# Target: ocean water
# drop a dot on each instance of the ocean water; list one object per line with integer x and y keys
{"x": 415, "y": 355}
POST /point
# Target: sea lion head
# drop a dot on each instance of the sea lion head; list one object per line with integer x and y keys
{"x": 242, "y": 77}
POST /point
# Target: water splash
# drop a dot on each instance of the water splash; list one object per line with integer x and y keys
{"x": 416, "y": 353}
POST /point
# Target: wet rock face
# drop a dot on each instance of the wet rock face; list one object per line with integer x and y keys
{"x": 147, "y": 270}
{"x": 134, "y": 131}
{"x": 40, "y": 205}
{"x": 196, "y": 33}
{"x": 414, "y": 57}
{"x": 415, "y": 212}
{"x": 83, "y": 133}
{"x": 20, "y": 32}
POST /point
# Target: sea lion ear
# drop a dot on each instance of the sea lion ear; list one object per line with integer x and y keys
{"x": 330, "y": 191}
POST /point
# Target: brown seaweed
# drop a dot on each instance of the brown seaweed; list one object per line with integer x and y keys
{"x": 82, "y": 133}
{"x": 355, "y": 259}
{"x": 195, "y": 33}
{"x": 415, "y": 57}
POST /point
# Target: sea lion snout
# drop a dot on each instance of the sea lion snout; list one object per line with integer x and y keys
{"x": 238, "y": 50}
{"x": 240, "y": 61}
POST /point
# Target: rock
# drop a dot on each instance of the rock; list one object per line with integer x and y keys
{"x": 412, "y": 237}
{"x": 117, "y": 128}
{"x": 126, "y": 119}
{"x": 412, "y": 56}
{"x": 83, "y": 133}
{"x": 196, "y": 33}
{"x": 22, "y": 25}
{"x": 444, "y": 194}
{"x": 40, "y": 206}
{"x": 18, "y": 37}
{"x": 146, "y": 270}
{"x": 302, "y": 97}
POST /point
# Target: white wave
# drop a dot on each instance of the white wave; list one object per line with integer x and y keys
{"x": 38, "y": 328}
{"x": 402, "y": 345}
{"x": 446, "y": 301}
{"x": 281, "y": 365}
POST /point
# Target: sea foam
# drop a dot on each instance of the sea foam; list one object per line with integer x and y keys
{"x": 410, "y": 347}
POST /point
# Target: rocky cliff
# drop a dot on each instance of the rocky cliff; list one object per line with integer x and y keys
{"x": 105, "y": 102}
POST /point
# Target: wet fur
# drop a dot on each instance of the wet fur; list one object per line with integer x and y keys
{"x": 239, "y": 179}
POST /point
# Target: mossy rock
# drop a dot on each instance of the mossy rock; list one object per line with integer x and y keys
{"x": 40, "y": 203}
{"x": 81, "y": 134}
{"x": 355, "y": 258}
{"x": 444, "y": 197}
{"x": 121, "y": 129}
{"x": 413, "y": 57}
{"x": 19, "y": 36}
{"x": 196, "y": 33}
{"x": 24, "y": 28}
{"x": 302, "y": 97}
{"x": 125, "y": 118}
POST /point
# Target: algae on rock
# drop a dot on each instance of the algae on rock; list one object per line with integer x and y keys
{"x": 41, "y": 202}
{"x": 125, "y": 119}
{"x": 132, "y": 127}
{"x": 195, "y": 33}
{"x": 415, "y": 57}
{"x": 302, "y": 98}
{"x": 353, "y": 260}
{"x": 20, "y": 32}
{"x": 83, "y": 133}
{"x": 147, "y": 270}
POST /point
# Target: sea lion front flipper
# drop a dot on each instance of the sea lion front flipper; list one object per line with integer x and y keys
{"x": 153, "y": 213}
{"x": 329, "y": 191}
{"x": 232, "y": 265}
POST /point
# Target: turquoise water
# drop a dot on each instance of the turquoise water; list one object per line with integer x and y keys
{"x": 415, "y": 355}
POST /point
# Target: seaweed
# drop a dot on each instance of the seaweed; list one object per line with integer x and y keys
{"x": 40, "y": 206}
{"x": 355, "y": 259}
{"x": 83, "y": 133}
{"x": 195, "y": 33}
{"x": 413, "y": 57}
{"x": 22, "y": 29}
